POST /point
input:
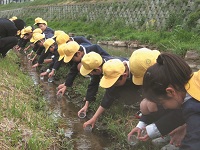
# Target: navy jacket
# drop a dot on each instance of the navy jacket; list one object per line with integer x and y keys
{"x": 82, "y": 41}
{"x": 191, "y": 114}
{"x": 49, "y": 33}
{"x": 127, "y": 92}
{"x": 165, "y": 120}
{"x": 55, "y": 64}
{"x": 94, "y": 83}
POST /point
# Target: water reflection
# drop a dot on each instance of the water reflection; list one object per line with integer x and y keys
{"x": 118, "y": 51}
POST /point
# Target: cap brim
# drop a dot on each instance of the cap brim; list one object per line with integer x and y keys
{"x": 35, "y": 41}
{"x": 107, "y": 83}
{"x": 22, "y": 35}
{"x": 68, "y": 58}
{"x": 47, "y": 49}
{"x": 32, "y": 40}
{"x": 192, "y": 88}
{"x": 61, "y": 57}
{"x": 137, "y": 81}
{"x": 84, "y": 71}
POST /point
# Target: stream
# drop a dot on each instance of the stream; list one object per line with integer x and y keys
{"x": 62, "y": 108}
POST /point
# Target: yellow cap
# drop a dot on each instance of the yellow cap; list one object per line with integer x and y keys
{"x": 193, "y": 86}
{"x": 58, "y": 32}
{"x": 13, "y": 18}
{"x": 71, "y": 48}
{"x": 43, "y": 21}
{"x": 112, "y": 70}
{"x": 89, "y": 62}
{"x": 37, "y": 20}
{"x": 21, "y": 33}
{"x": 37, "y": 30}
{"x": 26, "y": 30}
{"x": 37, "y": 37}
{"x": 61, "y": 49}
{"x": 48, "y": 43}
{"x": 62, "y": 38}
{"x": 139, "y": 61}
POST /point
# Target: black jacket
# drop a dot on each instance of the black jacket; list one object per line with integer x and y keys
{"x": 7, "y": 28}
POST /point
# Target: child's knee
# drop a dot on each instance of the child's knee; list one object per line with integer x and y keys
{"x": 147, "y": 107}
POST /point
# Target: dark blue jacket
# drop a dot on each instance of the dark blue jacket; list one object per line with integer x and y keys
{"x": 81, "y": 40}
{"x": 126, "y": 92}
{"x": 191, "y": 114}
{"x": 49, "y": 33}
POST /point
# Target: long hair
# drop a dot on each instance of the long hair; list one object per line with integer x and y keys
{"x": 170, "y": 69}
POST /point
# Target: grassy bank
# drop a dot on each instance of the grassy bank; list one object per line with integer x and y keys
{"x": 178, "y": 40}
{"x": 24, "y": 123}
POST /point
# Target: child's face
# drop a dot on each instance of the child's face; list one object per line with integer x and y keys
{"x": 174, "y": 101}
{"x": 121, "y": 81}
{"x": 52, "y": 48}
{"x": 77, "y": 57}
{"x": 97, "y": 71}
{"x": 42, "y": 26}
{"x": 28, "y": 36}
{"x": 40, "y": 43}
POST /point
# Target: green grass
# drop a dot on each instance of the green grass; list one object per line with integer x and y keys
{"x": 177, "y": 41}
{"x": 24, "y": 121}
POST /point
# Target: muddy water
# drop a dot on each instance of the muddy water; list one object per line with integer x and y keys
{"x": 65, "y": 111}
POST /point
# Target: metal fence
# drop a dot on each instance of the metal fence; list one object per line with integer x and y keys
{"x": 13, "y": 1}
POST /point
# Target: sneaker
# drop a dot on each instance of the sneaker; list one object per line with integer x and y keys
{"x": 161, "y": 141}
{"x": 169, "y": 147}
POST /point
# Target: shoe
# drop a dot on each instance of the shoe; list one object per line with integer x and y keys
{"x": 161, "y": 141}
{"x": 169, "y": 147}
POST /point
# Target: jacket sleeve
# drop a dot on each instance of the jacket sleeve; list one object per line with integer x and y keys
{"x": 96, "y": 48}
{"x": 170, "y": 121}
{"x": 39, "y": 50}
{"x": 22, "y": 42}
{"x": 56, "y": 64}
{"x": 43, "y": 56}
{"x": 109, "y": 96}
{"x": 165, "y": 120}
{"x": 73, "y": 72}
{"x": 82, "y": 40}
{"x": 154, "y": 116}
{"x": 93, "y": 88}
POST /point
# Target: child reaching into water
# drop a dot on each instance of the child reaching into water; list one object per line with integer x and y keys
{"x": 171, "y": 83}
